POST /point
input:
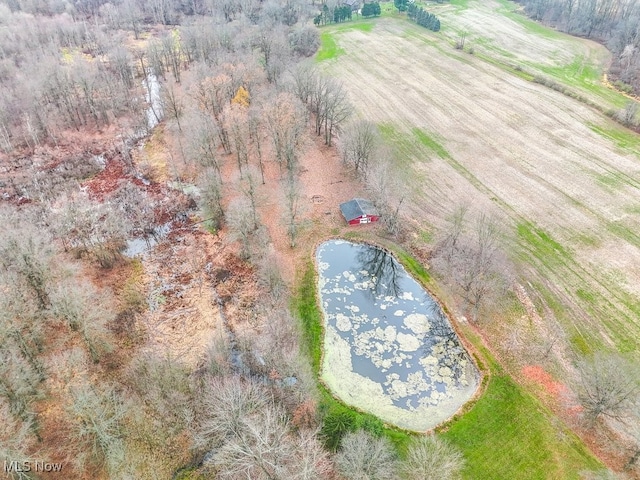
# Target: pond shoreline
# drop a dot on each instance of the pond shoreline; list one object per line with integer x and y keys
{"x": 451, "y": 410}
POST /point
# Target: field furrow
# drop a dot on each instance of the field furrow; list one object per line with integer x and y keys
{"x": 465, "y": 131}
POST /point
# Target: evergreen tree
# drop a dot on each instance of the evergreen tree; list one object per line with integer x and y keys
{"x": 371, "y": 9}
{"x": 326, "y": 17}
{"x": 423, "y": 18}
{"x": 401, "y": 5}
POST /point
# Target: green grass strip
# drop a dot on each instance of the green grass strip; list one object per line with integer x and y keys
{"x": 539, "y": 244}
{"x": 431, "y": 143}
{"x": 621, "y": 137}
{"x": 306, "y": 306}
{"x": 508, "y": 434}
{"x": 337, "y": 416}
{"x": 328, "y": 47}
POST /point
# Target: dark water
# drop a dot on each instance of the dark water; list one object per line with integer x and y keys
{"x": 398, "y": 334}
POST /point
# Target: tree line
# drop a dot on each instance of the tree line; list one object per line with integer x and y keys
{"x": 335, "y": 14}
{"x": 423, "y": 18}
{"x": 615, "y": 23}
{"x": 418, "y": 14}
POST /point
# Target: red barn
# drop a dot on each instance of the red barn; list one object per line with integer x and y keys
{"x": 359, "y": 211}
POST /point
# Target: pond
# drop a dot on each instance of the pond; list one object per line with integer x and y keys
{"x": 388, "y": 349}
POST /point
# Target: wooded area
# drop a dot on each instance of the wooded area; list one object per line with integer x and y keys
{"x": 92, "y": 92}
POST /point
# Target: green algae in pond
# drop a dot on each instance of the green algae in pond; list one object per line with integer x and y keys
{"x": 389, "y": 348}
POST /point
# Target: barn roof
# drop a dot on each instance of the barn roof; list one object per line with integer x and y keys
{"x": 356, "y": 208}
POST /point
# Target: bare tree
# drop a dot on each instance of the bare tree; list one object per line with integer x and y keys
{"x": 164, "y": 386}
{"x": 132, "y": 16}
{"x": 236, "y": 117}
{"x": 477, "y": 270}
{"x": 202, "y": 143}
{"x": 305, "y": 40}
{"x": 139, "y": 210}
{"x": 172, "y": 103}
{"x": 250, "y": 435}
{"x": 326, "y": 98}
{"x": 97, "y": 229}
{"x": 286, "y": 121}
{"x": 275, "y": 51}
{"x": 310, "y": 461}
{"x": 241, "y": 222}
{"x": 363, "y": 456}
{"x": 357, "y": 145}
{"x": 628, "y": 115}
{"x": 21, "y": 324}
{"x": 248, "y": 187}
{"x": 15, "y": 440}
{"x": 172, "y": 54}
{"x": 432, "y": 458}
{"x": 270, "y": 278}
{"x": 630, "y": 425}
{"x": 606, "y": 387}
{"x": 337, "y": 108}
{"x": 29, "y": 256}
{"x": 461, "y": 40}
{"x": 260, "y": 450}
{"x": 19, "y": 385}
{"x": 96, "y": 418}
{"x": 86, "y": 312}
{"x": 211, "y": 197}
{"x": 121, "y": 61}
{"x": 254, "y": 134}
{"x": 213, "y": 95}
{"x": 387, "y": 193}
{"x": 267, "y": 450}
{"x": 292, "y": 202}
{"x": 450, "y": 243}
{"x": 226, "y": 403}
{"x": 304, "y": 83}
{"x": 472, "y": 260}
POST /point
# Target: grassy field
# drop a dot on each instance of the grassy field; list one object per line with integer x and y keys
{"x": 515, "y": 129}
{"x": 328, "y": 47}
{"x": 465, "y": 131}
{"x": 509, "y": 434}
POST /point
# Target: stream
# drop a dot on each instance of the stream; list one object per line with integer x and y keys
{"x": 152, "y": 95}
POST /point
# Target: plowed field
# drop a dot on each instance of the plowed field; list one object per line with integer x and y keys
{"x": 474, "y": 128}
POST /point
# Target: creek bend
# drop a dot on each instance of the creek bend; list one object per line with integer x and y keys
{"x": 389, "y": 349}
